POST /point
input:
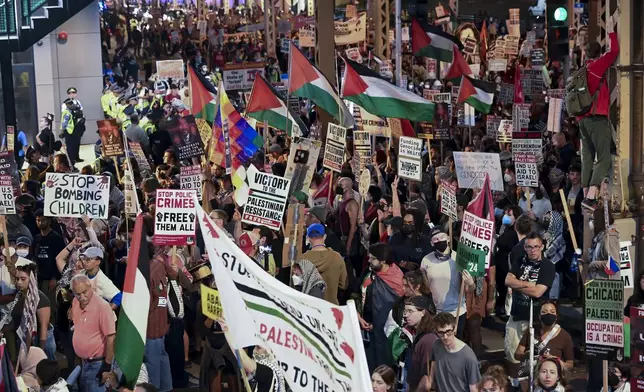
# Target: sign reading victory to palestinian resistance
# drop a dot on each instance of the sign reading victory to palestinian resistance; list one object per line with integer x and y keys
{"x": 604, "y": 318}
{"x": 410, "y": 151}
{"x": 266, "y": 199}
{"x": 336, "y": 139}
{"x": 471, "y": 168}
{"x": 475, "y": 246}
{"x": 71, "y": 195}
{"x": 174, "y": 222}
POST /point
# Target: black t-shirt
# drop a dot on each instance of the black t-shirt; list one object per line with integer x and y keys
{"x": 527, "y": 271}
{"x": 46, "y": 248}
{"x": 410, "y": 249}
{"x": 16, "y": 313}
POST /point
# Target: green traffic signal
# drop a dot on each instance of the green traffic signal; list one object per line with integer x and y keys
{"x": 561, "y": 14}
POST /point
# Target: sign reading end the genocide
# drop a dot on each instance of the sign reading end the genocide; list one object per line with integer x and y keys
{"x": 475, "y": 244}
{"x": 604, "y": 315}
{"x": 266, "y": 199}
{"x": 175, "y": 217}
{"x": 7, "y": 202}
{"x": 74, "y": 195}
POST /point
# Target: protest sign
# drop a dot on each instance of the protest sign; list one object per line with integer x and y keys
{"x": 174, "y": 222}
{"x": 190, "y": 178}
{"x": 266, "y": 199}
{"x": 354, "y": 54}
{"x": 11, "y": 137}
{"x": 352, "y": 31}
{"x": 469, "y": 46}
{"x": 512, "y": 45}
{"x": 514, "y": 16}
{"x": 301, "y": 163}
{"x": 9, "y": 168}
{"x": 241, "y": 76}
{"x": 167, "y": 69}
{"x": 520, "y": 118}
{"x": 474, "y": 247}
{"x": 210, "y": 303}
{"x": 442, "y": 116}
{"x": 410, "y": 150}
{"x": 430, "y": 66}
{"x": 336, "y": 139}
{"x": 471, "y": 168}
{"x": 529, "y": 146}
{"x": 404, "y": 32}
{"x": 129, "y": 192}
{"x": 506, "y": 93}
{"x": 111, "y": 138}
{"x": 139, "y": 156}
{"x": 625, "y": 264}
{"x": 307, "y": 36}
{"x": 376, "y": 126}
{"x": 260, "y": 310}
{"x": 466, "y": 115}
{"x": 514, "y": 30}
{"x": 70, "y": 195}
{"x": 492, "y": 125}
{"x": 604, "y": 311}
{"x": 185, "y": 137}
{"x": 504, "y": 133}
{"x": 362, "y": 147}
{"x": 526, "y": 169}
{"x": 538, "y": 58}
{"x": 637, "y": 340}
{"x": 498, "y": 65}
{"x": 555, "y": 110}
{"x": 532, "y": 82}
{"x": 7, "y": 202}
{"x": 556, "y": 93}
{"x": 448, "y": 200}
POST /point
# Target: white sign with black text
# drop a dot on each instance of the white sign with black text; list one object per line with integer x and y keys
{"x": 266, "y": 199}
{"x": 410, "y": 150}
{"x": 526, "y": 169}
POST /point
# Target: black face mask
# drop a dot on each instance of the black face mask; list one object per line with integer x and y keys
{"x": 548, "y": 319}
{"x": 408, "y": 229}
{"x": 339, "y": 190}
{"x": 440, "y": 246}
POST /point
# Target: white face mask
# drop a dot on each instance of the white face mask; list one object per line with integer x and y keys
{"x": 591, "y": 225}
{"x": 507, "y": 177}
{"x": 297, "y": 281}
{"x": 22, "y": 252}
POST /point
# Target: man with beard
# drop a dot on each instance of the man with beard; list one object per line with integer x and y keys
{"x": 347, "y": 222}
{"x": 47, "y": 245}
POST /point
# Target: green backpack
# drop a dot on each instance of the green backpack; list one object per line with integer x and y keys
{"x": 578, "y": 98}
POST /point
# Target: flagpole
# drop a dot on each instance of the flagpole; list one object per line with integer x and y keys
{"x": 398, "y": 45}
{"x": 288, "y": 87}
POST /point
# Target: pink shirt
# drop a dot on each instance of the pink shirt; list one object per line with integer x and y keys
{"x": 92, "y": 326}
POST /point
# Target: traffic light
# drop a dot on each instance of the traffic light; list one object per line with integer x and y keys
{"x": 557, "y": 21}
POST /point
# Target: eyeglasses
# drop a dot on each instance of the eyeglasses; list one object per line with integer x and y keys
{"x": 532, "y": 247}
{"x": 447, "y": 333}
{"x": 407, "y": 312}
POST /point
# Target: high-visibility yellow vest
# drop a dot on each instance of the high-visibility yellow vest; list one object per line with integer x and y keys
{"x": 105, "y": 102}
{"x": 70, "y": 124}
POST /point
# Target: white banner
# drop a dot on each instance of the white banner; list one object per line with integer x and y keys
{"x": 336, "y": 139}
{"x": 190, "y": 178}
{"x": 526, "y": 169}
{"x": 167, "y": 69}
{"x": 266, "y": 199}
{"x": 7, "y": 202}
{"x": 74, "y": 195}
{"x": 318, "y": 344}
{"x": 352, "y": 31}
{"x": 410, "y": 150}
{"x": 174, "y": 213}
{"x": 471, "y": 168}
{"x": 241, "y": 78}
{"x": 478, "y": 233}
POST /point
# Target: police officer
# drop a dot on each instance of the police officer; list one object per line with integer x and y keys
{"x": 72, "y": 93}
{"x": 70, "y": 133}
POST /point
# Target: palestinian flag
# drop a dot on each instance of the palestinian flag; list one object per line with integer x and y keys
{"x": 483, "y": 41}
{"x": 203, "y": 96}
{"x": 458, "y": 68}
{"x": 265, "y": 104}
{"x": 483, "y": 204}
{"x": 306, "y": 81}
{"x": 519, "y": 96}
{"x": 477, "y": 94}
{"x": 433, "y": 42}
{"x": 8, "y": 381}
{"x": 381, "y": 98}
{"x": 129, "y": 346}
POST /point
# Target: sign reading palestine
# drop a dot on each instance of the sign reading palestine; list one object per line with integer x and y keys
{"x": 604, "y": 315}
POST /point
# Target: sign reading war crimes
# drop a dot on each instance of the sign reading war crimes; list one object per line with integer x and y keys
{"x": 409, "y": 158}
{"x": 475, "y": 244}
{"x": 471, "y": 168}
{"x": 526, "y": 169}
{"x": 336, "y": 139}
{"x": 7, "y": 202}
{"x": 70, "y": 195}
{"x": 604, "y": 313}
{"x": 266, "y": 199}
{"x": 175, "y": 217}
{"x": 190, "y": 178}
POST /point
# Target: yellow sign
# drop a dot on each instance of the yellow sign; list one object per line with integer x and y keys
{"x": 210, "y": 303}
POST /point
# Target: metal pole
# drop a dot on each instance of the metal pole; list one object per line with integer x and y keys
{"x": 8, "y": 96}
{"x": 398, "y": 45}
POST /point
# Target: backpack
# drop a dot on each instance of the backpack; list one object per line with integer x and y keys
{"x": 578, "y": 98}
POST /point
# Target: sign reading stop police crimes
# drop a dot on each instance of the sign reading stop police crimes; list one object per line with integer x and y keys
{"x": 409, "y": 158}
{"x": 266, "y": 199}
{"x": 74, "y": 195}
{"x": 604, "y": 314}
{"x": 336, "y": 139}
{"x": 175, "y": 217}
{"x": 7, "y": 202}
{"x": 474, "y": 246}
{"x": 526, "y": 169}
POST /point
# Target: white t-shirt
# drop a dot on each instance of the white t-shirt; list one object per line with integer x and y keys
{"x": 444, "y": 282}
{"x": 103, "y": 286}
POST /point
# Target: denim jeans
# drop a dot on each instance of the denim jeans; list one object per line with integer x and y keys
{"x": 88, "y": 381}
{"x": 50, "y": 344}
{"x": 157, "y": 363}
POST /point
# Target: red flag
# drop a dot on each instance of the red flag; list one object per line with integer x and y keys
{"x": 407, "y": 128}
{"x": 459, "y": 67}
{"x": 518, "y": 90}
{"x": 483, "y": 41}
{"x": 324, "y": 191}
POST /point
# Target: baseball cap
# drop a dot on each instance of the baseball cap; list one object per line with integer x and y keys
{"x": 93, "y": 252}
{"x": 437, "y": 230}
{"x": 422, "y": 302}
{"x": 394, "y": 221}
{"x": 23, "y": 241}
{"x": 315, "y": 230}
